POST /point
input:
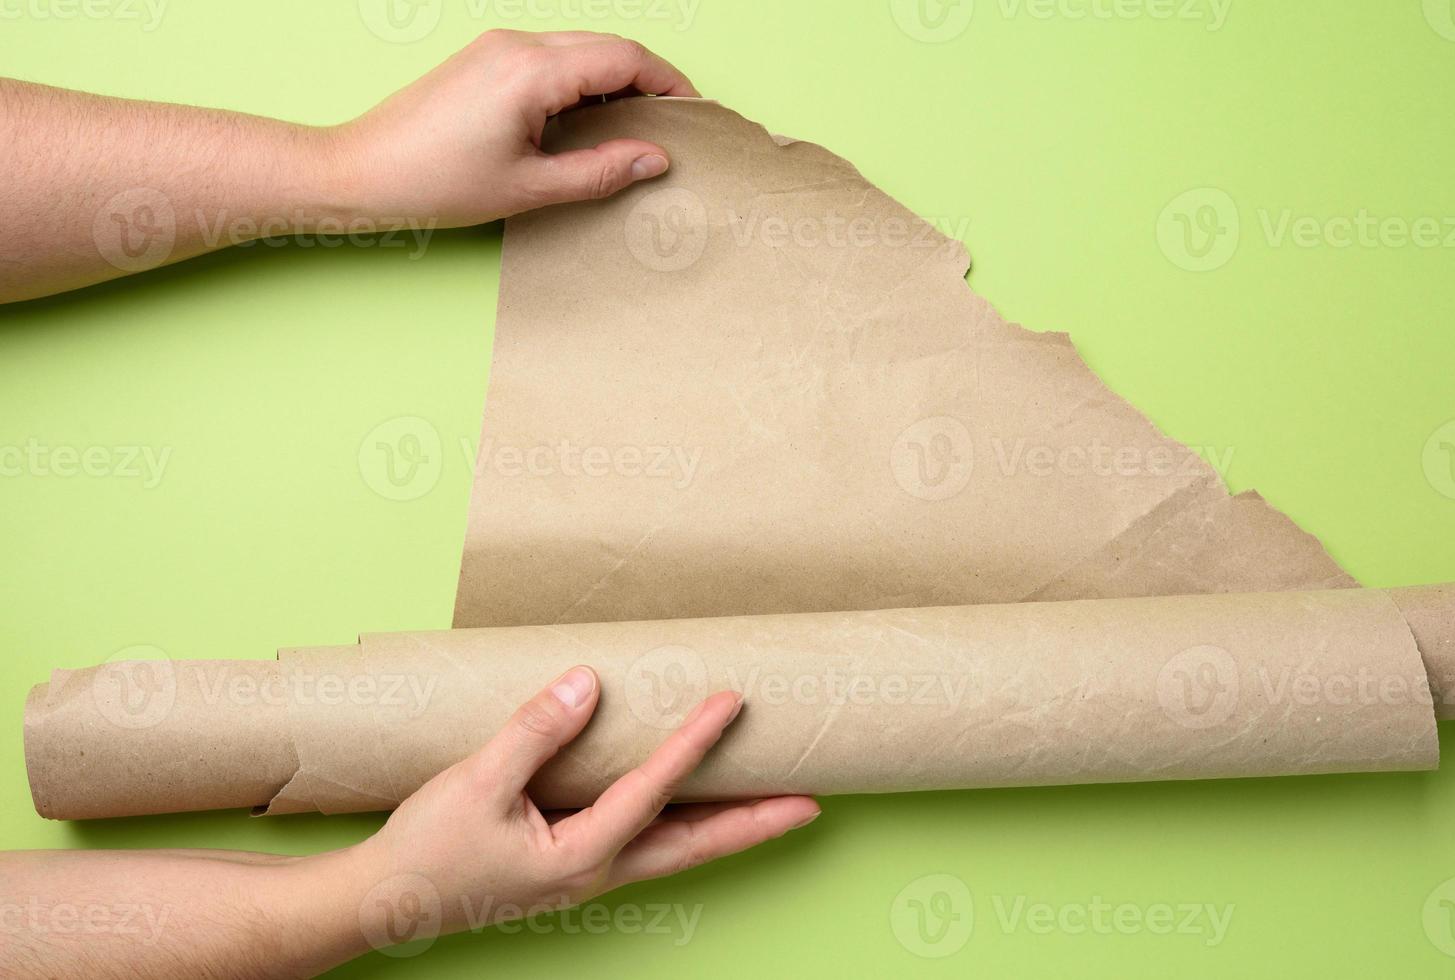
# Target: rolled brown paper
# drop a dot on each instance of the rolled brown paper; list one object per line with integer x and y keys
{"x": 865, "y": 702}
{"x": 1430, "y": 612}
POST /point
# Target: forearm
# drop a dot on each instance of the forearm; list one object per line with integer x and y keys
{"x": 96, "y": 188}
{"x": 176, "y": 913}
{"x": 92, "y": 188}
{"x": 467, "y": 850}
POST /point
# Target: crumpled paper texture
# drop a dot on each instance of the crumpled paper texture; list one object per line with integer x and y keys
{"x": 760, "y": 385}
{"x": 870, "y": 701}
{"x": 748, "y": 427}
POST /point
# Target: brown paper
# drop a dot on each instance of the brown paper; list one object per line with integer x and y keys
{"x": 843, "y": 702}
{"x": 760, "y": 385}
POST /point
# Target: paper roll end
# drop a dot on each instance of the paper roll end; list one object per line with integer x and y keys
{"x": 34, "y": 720}
{"x": 1429, "y": 610}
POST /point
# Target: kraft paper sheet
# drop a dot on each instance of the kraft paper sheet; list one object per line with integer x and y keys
{"x": 760, "y": 385}
{"x": 749, "y": 427}
{"x": 1088, "y": 691}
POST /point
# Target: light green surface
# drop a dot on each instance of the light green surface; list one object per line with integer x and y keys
{"x": 1051, "y": 146}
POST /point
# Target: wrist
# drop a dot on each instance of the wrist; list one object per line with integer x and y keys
{"x": 318, "y": 909}
{"x": 325, "y": 181}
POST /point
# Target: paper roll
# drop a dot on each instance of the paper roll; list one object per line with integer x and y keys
{"x": 858, "y": 702}
{"x": 759, "y": 389}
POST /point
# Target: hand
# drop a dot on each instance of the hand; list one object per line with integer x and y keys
{"x": 467, "y": 850}
{"x": 98, "y": 187}
{"x": 461, "y": 146}
{"x": 481, "y": 852}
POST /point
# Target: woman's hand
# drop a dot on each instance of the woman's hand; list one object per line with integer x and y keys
{"x": 470, "y": 849}
{"x": 99, "y": 187}
{"x": 461, "y": 146}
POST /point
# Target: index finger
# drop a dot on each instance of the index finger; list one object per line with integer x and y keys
{"x": 634, "y": 800}
{"x": 604, "y": 67}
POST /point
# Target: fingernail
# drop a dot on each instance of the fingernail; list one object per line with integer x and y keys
{"x": 806, "y": 820}
{"x": 648, "y": 166}
{"x": 574, "y": 687}
{"x": 737, "y": 709}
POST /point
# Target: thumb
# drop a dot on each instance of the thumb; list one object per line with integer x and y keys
{"x": 598, "y": 172}
{"x": 534, "y": 734}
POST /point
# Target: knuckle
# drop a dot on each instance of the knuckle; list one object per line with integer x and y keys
{"x": 654, "y": 791}
{"x": 575, "y": 872}
{"x": 632, "y": 49}
{"x": 689, "y": 852}
{"x": 689, "y": 857}
{"x": 494, "y": 37}
{"x": 537, "y": 718}
{"x": 540, "y": 193}
{"x": 581, "y": 885}
{"x": 602, "y": 182}
{"x": 524, "y": 58}
{"x": 659, "y": 792}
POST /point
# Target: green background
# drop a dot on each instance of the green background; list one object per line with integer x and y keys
{"x": 1051, "y": 145}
